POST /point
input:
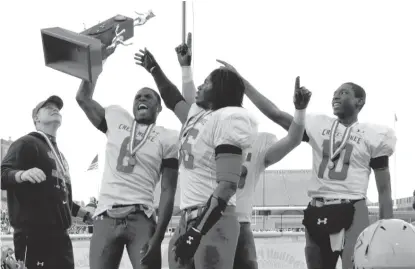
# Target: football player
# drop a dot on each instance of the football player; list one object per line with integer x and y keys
{"x": 216, "y": 130}
{"x": 344, "y": 153}
{"x": 265, "y": 151}
{"x": 137, "y": 153}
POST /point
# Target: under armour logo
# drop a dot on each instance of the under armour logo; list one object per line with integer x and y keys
{"x": 189, "y": 240}
{"x": 64, "y": 202}
{"x": 320, "y": 221}
{"x": 40, "y": 263}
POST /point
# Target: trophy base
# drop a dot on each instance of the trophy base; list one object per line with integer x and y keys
{"x": 72, "y": 53}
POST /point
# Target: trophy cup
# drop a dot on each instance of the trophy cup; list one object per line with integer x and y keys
{"x": 82, "y": 54}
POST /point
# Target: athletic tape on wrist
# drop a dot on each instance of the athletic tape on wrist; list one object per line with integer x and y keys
{"x": 187, "y": 74}
{"x": 299, "y": 116}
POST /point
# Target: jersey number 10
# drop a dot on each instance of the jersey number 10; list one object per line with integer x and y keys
{"x": 333, "y": 174}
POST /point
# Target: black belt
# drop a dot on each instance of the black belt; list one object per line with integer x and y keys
{"x": 138, "y": 206}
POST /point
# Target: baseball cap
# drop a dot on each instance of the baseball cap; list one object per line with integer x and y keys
{"x": 52, "y": 99}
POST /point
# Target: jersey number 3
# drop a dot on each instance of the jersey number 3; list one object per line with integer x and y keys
{"x": 333, "y": 174}
{"x": 186, "y": 151}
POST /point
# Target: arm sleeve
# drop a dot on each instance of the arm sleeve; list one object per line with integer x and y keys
{"x": 19, "y": 157}
{"x": 383, "y": 143}
{"x": 74, "y": 207}
{"x": 168, "y": 91}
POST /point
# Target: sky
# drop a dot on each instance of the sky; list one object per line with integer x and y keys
{"x": 327, "y": 43}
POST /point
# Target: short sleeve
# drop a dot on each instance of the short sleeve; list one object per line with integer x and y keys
{"x": 109, "y": 110}
{"x": 171, "y": 145}
{"x": 383, "y": 143}
{"x": 235, "y": 127}
{"x": 114, "y": 115}
{"x": 311, "y": 120}
{"x": 268, "y": 141}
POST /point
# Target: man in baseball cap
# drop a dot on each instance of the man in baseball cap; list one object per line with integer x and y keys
{"x": 39, "y": 193}
{"x": 52, "y": 100}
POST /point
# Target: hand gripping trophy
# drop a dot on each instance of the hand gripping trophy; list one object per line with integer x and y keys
{"x": 82, "y": 54}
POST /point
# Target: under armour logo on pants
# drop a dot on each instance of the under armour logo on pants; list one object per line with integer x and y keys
{"x": 320, "y": 221}
{"x": 189, "y": 240}
{"x": 40, "y": 263}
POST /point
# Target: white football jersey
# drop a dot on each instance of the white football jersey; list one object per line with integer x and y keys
{"x": 126, "y": 184}
{"x": 254, "y": 162}
{"x": 349, "y": 178}
{"x": 201, "y": 134}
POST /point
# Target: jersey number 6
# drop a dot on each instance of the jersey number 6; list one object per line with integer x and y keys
{"x": 122, "y": 161}
{"x": 333, "y": 174}
{"x": 186, "y": 151}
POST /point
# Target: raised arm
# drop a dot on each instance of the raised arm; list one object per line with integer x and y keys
{"x": 93, "y": 110}
{"x": 171, "y": 96}
{"x": 295, "y": 133}
{"x": 269, "y": 109}
{"x": 184, "y": 56}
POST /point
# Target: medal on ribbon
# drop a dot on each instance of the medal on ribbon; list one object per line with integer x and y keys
{"x": 58, "y": 156}
{"x": 346, "y": 135}
{"x": 131, "y": 150}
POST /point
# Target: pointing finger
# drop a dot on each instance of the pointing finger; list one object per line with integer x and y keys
{"x": 221, "y": 62}
{"x": 297, "y": 83}
{"x": 189, "y": 40}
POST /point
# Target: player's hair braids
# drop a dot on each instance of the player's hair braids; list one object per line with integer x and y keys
{"x": 228, "y": 88}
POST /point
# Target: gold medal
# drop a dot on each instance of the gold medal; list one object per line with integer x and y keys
{"x": 331, "y": 165}
{"x": 131, "y": 150}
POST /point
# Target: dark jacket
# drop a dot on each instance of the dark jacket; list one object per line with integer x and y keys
{"x": 41, "y": 206}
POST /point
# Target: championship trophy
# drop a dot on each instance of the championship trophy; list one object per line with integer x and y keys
{"x": 82, "y": 54}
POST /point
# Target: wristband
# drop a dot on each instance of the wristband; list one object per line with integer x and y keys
{"x": 299, "y": 116}
{"x": 187, "y": 74}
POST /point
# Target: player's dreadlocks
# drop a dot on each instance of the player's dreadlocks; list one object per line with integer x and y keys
{"x": 228, "y": 88}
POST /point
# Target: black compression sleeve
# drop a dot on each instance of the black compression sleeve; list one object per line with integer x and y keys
{"x": 103, "y": 127}
{"x": 211, "y": 214}
{"x": 168, "y": 91}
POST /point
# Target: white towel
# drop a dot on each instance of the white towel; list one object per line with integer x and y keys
{"x": 337, "y": 241}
